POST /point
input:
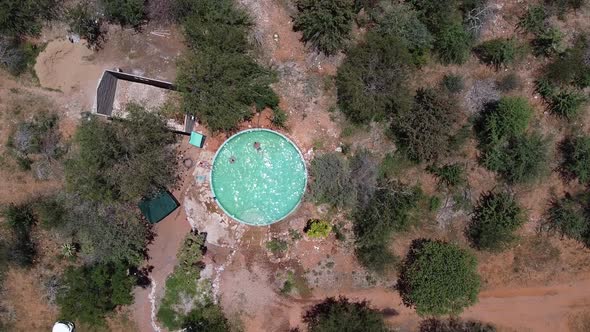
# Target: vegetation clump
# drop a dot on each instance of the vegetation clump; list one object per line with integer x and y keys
{"x": 318, "y": 229}
{"x": 438, "y": 278}
{"x": 392, "y": 209}
{"x": 495, "y": 219}
{"x": 218, "y": 79}
{"x": 335, "y": 315}
{"x": 498, "y": 52}
{"x": 22, "y": 247}
{"x": 125, "y": 12}
{"x": 108, "y": 152}
{"x": 576, "y": 159}
{"x": 325, "y": 24}
{"x": 371, "y": 82}
{"x": 91, "y": 292}
{"x": 454, "y": 325}
{"x": 25, "y": 17}
{"x": 569, "y": 217}
{"x": 85, "y": 21}
{"x": 453, "y": 83}
{"x": 429, "y": 124}
{"x": 449, "y": 175}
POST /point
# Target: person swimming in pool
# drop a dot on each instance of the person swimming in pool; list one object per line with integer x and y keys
{"x": 232, "y": 159}
{"x": 257, "y": 146}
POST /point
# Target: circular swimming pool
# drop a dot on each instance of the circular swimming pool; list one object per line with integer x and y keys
{"x": 258, "y": 177}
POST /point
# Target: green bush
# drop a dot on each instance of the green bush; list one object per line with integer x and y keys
{"x": 122, "y": 160}
{"x": 51, "y": 212}
{"x": 428, "y": 126}
{"x": 92, "y": 292}
{"x": 495, "y": 219}
{"x": 372, "y": 81}
{"x": 191, "y": 253}
{"x": 17, "y": 56}
{"x": 567, "y": 104}
{"x": 510, "y": 117}
{"x": 390, "y": 210}
{"x": 279, "y": 117}
{"x": 548, "y": 42}
{"x": 325, "y": 24}
{"x": 37, "y": 136}
{"x": 575, "y": 163}
{"x": 534, "y": 20}
{"x": 509, "y": 82}
{"x": 453, "y": 83}
{"x": 571, "y": 68}
{"x": 85, "y": 21}
{"x": 438, "y": 278}
{"x": 450, "y": 175}
{"x": 522, "y": 160}
{"x": 25, "y": 17}
{"x": 453, "y": 44}
{"x": 335, "y": 315}
{"x": 568, "y": 217}
{"x": 331, "y": 182}
{"x": 454, "y": 325}
{"x": 22, "y": 248}
{"x": 318, "y": 229}
{"x": 562, "y": 6}
{"x": 277, "y": 246}
{"x": 209, "y": 318}
{"x": 125, "y": 12}
{"x": 498, "y": 52}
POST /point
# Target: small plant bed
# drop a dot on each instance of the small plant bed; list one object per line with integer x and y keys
{"x": 318, "y": 229}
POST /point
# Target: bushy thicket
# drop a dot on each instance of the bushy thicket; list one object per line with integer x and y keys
{"x": 455, "y": 325}
{"x": 219, "y": 81}
{"x": 449, "y": 175}
{"x": 506, "y": 148}
{"x": 444, "y": 20}
{"x": 427, "y": 126}
{"x": 570, "y": 217}
{"x": 122, "y": 160}
{"x": 325, "y": 24}
{"x": 125, "y": 12}
{"x": 26, "y": 17}
{"x": 453, "y": 83}
{"x": 438, "y": 278}
{"x": 335, "y": 315}
{"x": 91, "y": 292}
{"x": 494, "y": 221}
{"x": 391, "y": 209}
{"x": 498, "y": 52}
{"x": 372, "y": 81}
{"x": 575, "y": 162}
{"x": 16, "y": 55}
{"x": 85, "y": 21}
{"x": 22, "y": 248}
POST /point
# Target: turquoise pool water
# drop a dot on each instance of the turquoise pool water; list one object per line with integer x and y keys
{"x": 258, "y": 177}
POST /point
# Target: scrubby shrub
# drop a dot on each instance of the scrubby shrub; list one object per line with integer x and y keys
{"x": 277, "y": 246}
{"x": 85, "y": 21}
{"x": 509, "y": 82}
{"x": 429, "y": 125}
{"x": 508, "y": 118}
{"x": 575, "y": 163}
{"x": 331, "y": 181}
{"x": 390, "y": 210}
{"x": 497, "y": 52}
{"x": 17, "y": 56}
{"x": 364, "y": 170}
{"x": 450, "y": 175}
{"x": 191, "y": 253}
{"x": 125, "y": 12}
{"x": 572, "y": 68}
{"x": 402, "y": 21}
{"x": 318, "y": 229}
{"x": 562, "y": 6}
{"x": 37, "y": 136}
{"x": 453, "y": 83}
{"x": 335, "y": 315}
{"x": 372, "y": 81}
{"x": 51, "y": 212}
{"x": 534, "y": 20}
{"x": 25, "y": 17}
{"x": 326, "y": 24}
{"x": 21, "y": 219}
{"x": 455, "y": 325}
{"x": 548, "y": 42}
{"x": 92, "y": 292}
{"x": 453, "y": 44}
{"x": 568, "y": 217}
{"x": 522, "y": 160}
{"x": 495, "y": 219}
{"x": 279, "y": 117}
{"x": 438, "y": 278}
{"x": 567, "y": 104}
{"x": 110, "y": 163}
{"x": 208, "y": 318}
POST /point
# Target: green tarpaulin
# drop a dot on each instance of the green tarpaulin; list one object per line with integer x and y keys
{"x": 158, "y": 207}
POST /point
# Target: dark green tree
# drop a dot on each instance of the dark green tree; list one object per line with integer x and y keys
{"x": 438, "y": 278}
{"x": 338, "y": 315}
{"x": 497, "y": 52}
{"x": 125, "y": 12}
{"x": 331, "y": 180}
{"x": 325, "y": 24}
{"x": 372, "y": 82}
{"x": 209, "y": 318}
{"x": 569, "y": 217}
{"x": 455, "y": 325}
{"x": 22, "y": 247}
{"x": 495, "y": 219}
{"x": 84, "y": 20}
{"x": 576, "y": 159}
{"x": 91, "y": 292}
{"x": 25, "y": 17}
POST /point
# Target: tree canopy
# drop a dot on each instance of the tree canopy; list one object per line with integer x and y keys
{"x": 339, "y": 315}
{"x": 25, "y": 17}
{"x": 438, "y": 278}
